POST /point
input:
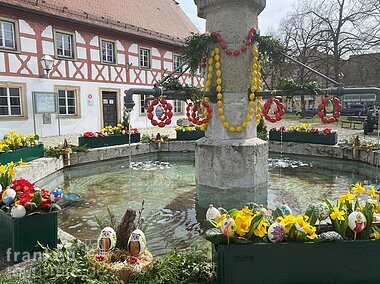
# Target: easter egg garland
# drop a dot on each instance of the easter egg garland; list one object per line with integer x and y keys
{"x": 167, "y": 114}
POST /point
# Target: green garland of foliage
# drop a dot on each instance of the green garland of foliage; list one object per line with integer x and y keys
{"x": 198, "y": 45}
{"x": 194, "y": 48}
{"x": 174, "y": 84}
{"x": 289, "y": 86}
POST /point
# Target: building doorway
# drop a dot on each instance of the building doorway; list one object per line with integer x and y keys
{"x": 110, "y": 108}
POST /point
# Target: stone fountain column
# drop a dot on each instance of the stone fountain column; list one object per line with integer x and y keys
{"x": 232, "y": 167}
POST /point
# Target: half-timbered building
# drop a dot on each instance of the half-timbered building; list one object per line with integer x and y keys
{"x": 100, "y": 49}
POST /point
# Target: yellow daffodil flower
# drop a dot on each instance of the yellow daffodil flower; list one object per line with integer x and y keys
{"x": 358, "y": 188}
{"x": 372, "y": 192}
{"x": 375, "y": 234}
{"x": 336, "y": 214}
{"x": 261, "y": 229}
{"x": 348, "y": 196}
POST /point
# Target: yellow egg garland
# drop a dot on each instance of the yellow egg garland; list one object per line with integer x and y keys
{"x": 256, "y": 83}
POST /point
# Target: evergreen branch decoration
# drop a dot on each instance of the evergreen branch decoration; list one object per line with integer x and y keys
{"x": 290, "y": 86}
{"x": 174, "y": 84}
{"x": 194, "y": 48}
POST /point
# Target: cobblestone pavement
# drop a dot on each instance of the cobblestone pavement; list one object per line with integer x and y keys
{"x": 343, "y": 133}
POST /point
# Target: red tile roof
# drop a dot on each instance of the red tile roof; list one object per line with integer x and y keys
{"x": 161, "y": 20}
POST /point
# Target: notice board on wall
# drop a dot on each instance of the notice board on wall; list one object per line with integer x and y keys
{"x": 45, "y": 102}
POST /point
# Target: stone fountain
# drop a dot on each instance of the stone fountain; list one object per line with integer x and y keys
{"x": 232, "y": 168}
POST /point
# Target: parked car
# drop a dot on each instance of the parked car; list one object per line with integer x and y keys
{"x": 372, "y": 119}
{"x": 310, "y": 112}
{"x": 354, "y": 110}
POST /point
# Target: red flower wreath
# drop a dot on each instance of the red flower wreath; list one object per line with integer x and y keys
{"x": 195, "y": 116}
{"x": 166, "y": 118}
{"x": 278, "y": 112}
{"x": 322, "y": 110}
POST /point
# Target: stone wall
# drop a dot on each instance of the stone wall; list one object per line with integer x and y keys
{"x": 40, "y": 168}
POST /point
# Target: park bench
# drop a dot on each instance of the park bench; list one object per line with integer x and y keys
{"x": 353, "y": 121}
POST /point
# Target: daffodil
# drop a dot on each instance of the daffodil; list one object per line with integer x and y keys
{"x": 261, "y": 229}
{"x": 336, "y": 214}
{"x": 21, "y": 163}
{"x": 358, "y": 188}
{"x": 375, "y": 234}
{"x": 348, "y": 196}
{"x": 372, "y": 192}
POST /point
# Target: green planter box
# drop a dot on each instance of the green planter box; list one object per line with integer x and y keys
{"x": 97, "y": 142}
{"x": 330, "y": 262}
{"x": 304, "y": 137}
{"x": 190, "y": 135}
{"x": 18, "y": 236}
{"x": 27, "y": 154}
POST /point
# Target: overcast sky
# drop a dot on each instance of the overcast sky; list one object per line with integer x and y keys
{"x": 268, "y": 19}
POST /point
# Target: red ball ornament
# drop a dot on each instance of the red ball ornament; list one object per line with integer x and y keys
{"x": 161, "y": 124}
{"x": 228, "y": 51}
{"x": 243, "y": 48}
{"x": 236, "y": 52}
{"x": 150, "y": 116}
{"x": 214, "y": 34}
{"x": 219, "y": 38}
{"x": 223, "y": 45}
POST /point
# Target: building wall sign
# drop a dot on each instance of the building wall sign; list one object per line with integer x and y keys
{"x": 45, "y": 103}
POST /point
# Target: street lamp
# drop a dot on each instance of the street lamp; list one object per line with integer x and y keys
{"x": 47, "y": 63}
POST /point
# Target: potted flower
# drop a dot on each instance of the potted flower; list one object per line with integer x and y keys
{"x": 109, "y": 136}
{"x": 304, "y": 133}
{"x": 251, "y": 241}
{"x": 191, "y": 132}
{"x": 16, "y": 146}
{"x": 28, "y": 218}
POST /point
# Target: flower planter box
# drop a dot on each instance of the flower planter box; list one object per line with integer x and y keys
{"x": 97, "y": 142}
{"x": 190, "y": 135}
{"x": 27, "y": 154}
{"x": 329, "y": 262}
{"x": 304, "y": 137}
{"x": 18, "y": 236}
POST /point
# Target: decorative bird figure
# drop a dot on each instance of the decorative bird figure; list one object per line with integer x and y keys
{"x": 107, "y": 240}
{"x": 136, "y": 243}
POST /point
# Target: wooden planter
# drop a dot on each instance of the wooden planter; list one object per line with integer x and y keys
{"x": 18, "y": 236}
{"x": 113, "y": 140}
{"x": 304, "y": 137}
{"x": 27, "y": 154}
{"x": 329, "y": 262}
{"x": 190, "y": 135}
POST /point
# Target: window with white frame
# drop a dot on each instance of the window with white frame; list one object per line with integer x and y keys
{"x": 108, "y": 51}
{"x": 7, "y": 35}
{"x": 177, "y": 62}
{"x": 67, "y": 101}
{"x": 64, "y": 45}
{"x": 10, "y": 101}
{"x": 178, "y": 106}
{"x": 142, "y": 103}
{"x": 145, "y": 58}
